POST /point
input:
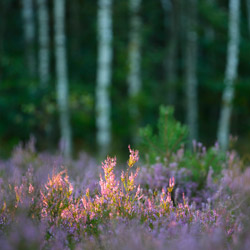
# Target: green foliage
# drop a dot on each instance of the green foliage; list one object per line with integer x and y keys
{"x": 170, "y": 136}
{"x": 200, "y": 161}
{"x": 26, "y": 109}
{"x": 167, "y": 147}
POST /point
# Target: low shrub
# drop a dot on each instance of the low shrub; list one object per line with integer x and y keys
{"x": 198, "y": 170}
{"x": 101, "y": 218}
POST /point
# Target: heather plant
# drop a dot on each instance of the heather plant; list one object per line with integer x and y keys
{"x": 119, "y": 213}
{"x": 83, "y": 170}
{"x": 197, "y": 171}
{"x": 200, "y": 189}
{"x": 116, "y": 199}
{"x": 56, "y": 196}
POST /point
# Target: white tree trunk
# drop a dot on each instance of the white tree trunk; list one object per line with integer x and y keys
{"x": 231, "y": 72}
{"x": 62, "y": 77}
{"x": 43, "y": 24}
{"x": 134, "y": 63}
{"x": 248, "y": 14}
{"x": 209, "y": 31}
{"x": 29, "y": 35}
{"x": 191, "y": 70}
{"x": 104, "y": 75}
{"x": 2, "y": 28}
{"x": 171, "y": 26}
{"x": 134, "y": 75}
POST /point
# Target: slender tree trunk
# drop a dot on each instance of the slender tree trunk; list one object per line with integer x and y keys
{"x": 43, "y": 23}
{"x": 62, "y": 77}
{"x": 171, "y": 25}
{"x": 104, "y": 75}
{"x": 209, "y": 31}
{"x": 134, "y": 60}
{"x": 75, "y": 27}
{"x": 231, "y": 73}
{"x": 191, "y": 69}
{"x": 2, "y": 28}
{"x": 248, "y": 14}
{"x": 29, "y": 35}
{"x": 2, "y": 25}
{"x": 134, "y": 76}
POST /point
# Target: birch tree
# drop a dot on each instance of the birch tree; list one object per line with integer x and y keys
{"x": 191, "y": 80}
{"x": 29, "y": 35}
{"x": 62, "y": 77}
{"x": 75, "y": 23}
{"x": 43, "y": 27}
{"x": 2, "y": 28}
{"x": 209, "y": 31}
{"x": 134, "y": 75}
{"x": 248, "y": 14}
{"x": 231, "y": 72}
{"x": 104, "y": 75}
{"x": 171, "y": 26}
{"x": 134, "y": 60}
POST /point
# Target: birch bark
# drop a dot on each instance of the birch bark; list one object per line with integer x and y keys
{"x": 43, "y": 24}
{"x": 62, "y": 77}
{"x": 134, "y": 61}
{"x": 191, "y": 70}
{"x": 2, "y": 29}
{"x": 134, "y": 76}
{"x": 231, "y": 72}
{"x": 248, "y": 14}
{"x": 104, "y": 75}
{"x": 209, "y": 32}
{"x": 171, "y": 26}
{"x": 29, "y": 35}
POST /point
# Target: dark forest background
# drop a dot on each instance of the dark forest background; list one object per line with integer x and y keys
{"x": 28, "y": 109}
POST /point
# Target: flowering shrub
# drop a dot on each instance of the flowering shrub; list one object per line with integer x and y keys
{"x": 58, "y": 216}
{"x": 197, "y": 188}
{"x": 56, "y": 197}
{"x": 197, "y": 171}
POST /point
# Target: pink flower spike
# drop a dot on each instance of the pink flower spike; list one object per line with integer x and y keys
{"x": 133, "y": 157}
{"x": 171, "y": 182}
{"x": 168, "y": 198}
{"x": 31, "y": 189}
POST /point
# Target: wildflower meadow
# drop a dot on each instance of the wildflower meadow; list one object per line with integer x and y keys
{"x": 170, "y": 197}
{"x": 148, "y": 207}
{"x": 86, "y": 162}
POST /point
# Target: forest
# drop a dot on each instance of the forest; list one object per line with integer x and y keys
{"x": 161, "y": 84}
